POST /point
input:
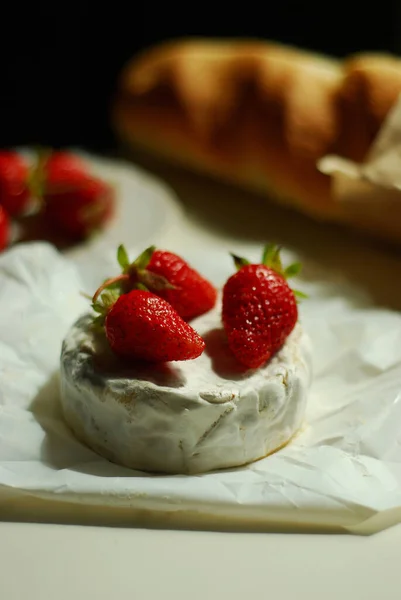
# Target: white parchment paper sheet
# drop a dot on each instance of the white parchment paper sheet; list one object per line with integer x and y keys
{"x": 343, "y": 469}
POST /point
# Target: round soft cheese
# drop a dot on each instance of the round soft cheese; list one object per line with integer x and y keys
{"x": 183, "y": 417}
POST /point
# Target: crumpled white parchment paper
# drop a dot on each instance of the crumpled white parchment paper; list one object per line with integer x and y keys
{"x": 342, "y": 470}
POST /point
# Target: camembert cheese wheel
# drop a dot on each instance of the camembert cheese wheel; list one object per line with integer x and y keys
{"x": 183, "y": 417}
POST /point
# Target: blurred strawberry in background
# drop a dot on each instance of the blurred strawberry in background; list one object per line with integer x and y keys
{"x": 64, "y": 168}
{"x": 80, "y": 207}
{"x": 54, "y": 195}
{"x": 14, "y": 175}
{"x": 4, "y": 229}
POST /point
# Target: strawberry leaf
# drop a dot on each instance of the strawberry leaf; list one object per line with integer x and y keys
{"x": 141, "y": 286}
{"x": 37, "y": 175}
{"x": 122, "y": 257}
{"x": 143, "y": 259}
{"x": 110, "y": 297}
{"x": 98, "y": 307}
{"x": 300, "y": 295}
{"x": 277, "y": 265}
{"x": 239, "y": 261}
{"x": 103, "y": 305}
{"x": 269, "y": 253}
{"x": 271, "y": 258}
{"x": 292, "y": 270}
{"x": 98, "y": 323}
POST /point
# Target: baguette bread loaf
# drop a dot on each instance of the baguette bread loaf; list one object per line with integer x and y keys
{"x": 260, "y": 115}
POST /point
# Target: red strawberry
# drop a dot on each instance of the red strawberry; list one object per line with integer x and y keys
{"x": 259, "y": 308}
{"x": 14, "y": 191}
{"x": 170, "y": 277}
{"x": 79, "y": 211}
{"x": 4, "y": 229}
{"x": 141, "y": 326}
{"x": 63, "y": 170}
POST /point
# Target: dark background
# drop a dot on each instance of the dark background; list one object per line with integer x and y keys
{"x": 60, "y": 62}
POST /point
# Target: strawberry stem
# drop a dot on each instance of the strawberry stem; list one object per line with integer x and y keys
{"x": 108, "y": 283}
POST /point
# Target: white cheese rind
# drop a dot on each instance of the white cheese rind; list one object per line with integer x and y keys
{"x": 183, "y": 417}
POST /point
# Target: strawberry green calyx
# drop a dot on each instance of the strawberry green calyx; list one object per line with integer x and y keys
{"x": 300, "y": 295}
{"x": 37, "y": 175}
{"x": 109, "y": 284}
{"x": 239, "y": 261}
{"x": 143, "y": 259}
{"x": 271, "y": 258}
{"x": 140, "y": 277}
{"x": 139, "y": 263}
{"x": 122, "y": 257}
{"x": 101, "y": 305}
{"x": 134, "y": 275}
{"x": 38, "y": 178}
{"x": 292, "y": 270}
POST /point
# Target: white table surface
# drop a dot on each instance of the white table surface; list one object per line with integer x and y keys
{"x": 52, "y": 562}
{"x": 43, "y": 561}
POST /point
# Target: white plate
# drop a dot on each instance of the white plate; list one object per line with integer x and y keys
{"x": 146, "y": 207}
